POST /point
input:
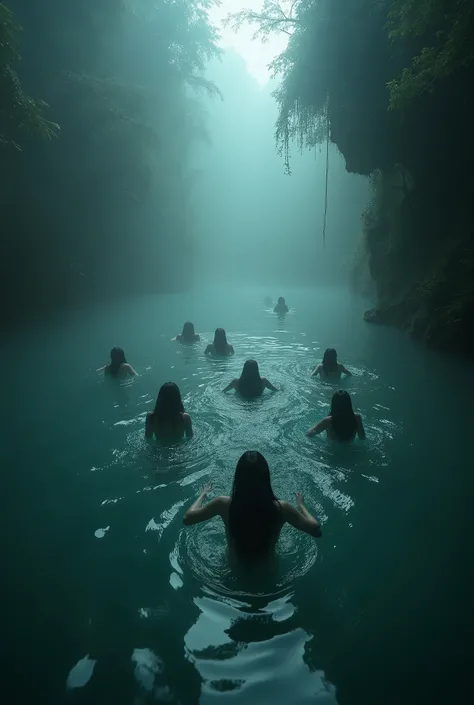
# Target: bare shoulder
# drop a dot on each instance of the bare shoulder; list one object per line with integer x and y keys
{"x": 186, "y": 417}
{"x": 221, "y": 503}
{"x": 287, "y": 509}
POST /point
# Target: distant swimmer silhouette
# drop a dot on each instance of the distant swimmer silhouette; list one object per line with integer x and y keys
{"x": 250, "y": 384}
{"x": 118, "y": 365}
{"x": 252, "y": 515}
{"x": 220, "y": 347}
{"x": 168, "y": 419}
{"x": 187, "y": 335}
{"x": 330, "y": 369}
{"x": 281, "y": 306}
{"x": 341, "y": 424}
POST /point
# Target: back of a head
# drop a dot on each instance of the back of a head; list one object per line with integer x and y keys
{"x": 253, "y": 515}
{"x": 343, "y": 419}
{"x": 250, "y": 381}
{"x": 188, "y": 330}
{"x": 117, "y": 359}
{"x": 330, "y": 361}
{"x": 220, "y": 340}
{"x": 281, "y": 301}
{"x": 168, "y": 405}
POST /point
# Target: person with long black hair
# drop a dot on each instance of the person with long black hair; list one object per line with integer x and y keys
{"x": 220, "y": 347}
{"x": 341, "y": 424}
{"x": 252, "y": 515}
{"x": 281, "y": 306}
{"x": 330, "y": 370}
{"x": 250, "y": 384}
{"x": 187, "y": 335}
{"x": 118, "y": 365}
{"x": 168, "y": 419}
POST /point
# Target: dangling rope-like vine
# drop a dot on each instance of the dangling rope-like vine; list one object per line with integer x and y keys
{"x": 327, "y": 175}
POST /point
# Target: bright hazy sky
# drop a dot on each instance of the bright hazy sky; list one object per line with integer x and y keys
{"x": 256, "y": 54}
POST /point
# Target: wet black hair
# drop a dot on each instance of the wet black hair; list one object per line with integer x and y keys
{"x": 117, "y": 359}
{"x": 250, "y": 382}
{"x": 168, "y": 405}
{"x": 329, "y": 361}
{"x": 188, "y": 330}
{"x": 343, "y": 419}
{"x": 220, "y": 341}
{"x": 254, "y": 518}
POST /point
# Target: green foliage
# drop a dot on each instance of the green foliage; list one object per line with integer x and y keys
{"x": 447, "y": 27}
{"x": 18, "y": 111}
{"x": 105, "y": 207}
{"x": 301, "y": 99}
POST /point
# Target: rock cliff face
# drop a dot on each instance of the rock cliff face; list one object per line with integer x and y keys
{"x": 419, "y": 227}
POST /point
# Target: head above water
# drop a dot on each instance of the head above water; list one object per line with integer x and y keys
{"x": 250, "y": 370}
{"x": 188, "y": 330}
{"x": 252, "y": 475}
{"x": 220, "y": 339}
{"x": 168, "y": 404}
{"x": 343, "y": 419}
{"x": 330, "y": 360}
{"x": 250, "y": 382}
{"x": 281, "y": 301}
{"x": 117, "y": 359}
{"x": 253, "y": 514}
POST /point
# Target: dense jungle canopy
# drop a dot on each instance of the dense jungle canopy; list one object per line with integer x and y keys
{"x": 116, "y": 95}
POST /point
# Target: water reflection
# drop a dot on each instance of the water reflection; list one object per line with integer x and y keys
{"x": 251, "y": 658}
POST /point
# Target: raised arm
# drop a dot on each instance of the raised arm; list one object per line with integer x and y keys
{"x": 268, "y": 384}
{"x": 345, "y": 371}
{"x": 316, "y": 371}
{"x": 197, "y": 513}
{"x": 232, "y": 385}
{"x": 300, "y": 518}
{"x": 188, "y": 425}
{"x": 319, "y": 427}
{"x": 360, "y": 427}
{"x": 148, "y": 426}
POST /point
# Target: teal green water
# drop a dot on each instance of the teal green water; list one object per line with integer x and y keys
{"x": 113, "y": 600}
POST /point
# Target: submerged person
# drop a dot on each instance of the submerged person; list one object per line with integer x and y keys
{"x": 281, "y": 306}
{"x": 330, "y": 369}
{"x": 188, "y": 335}
{"x": 252, "y": 515}
{"x": 250, "y": 384}
{"x": 168, "y": 419}
{"x": 220, "y": 346}
{"x": 118, "y": 365}
{"x": 341, "y": 424}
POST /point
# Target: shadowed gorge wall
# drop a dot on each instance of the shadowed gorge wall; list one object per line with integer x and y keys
{"x": 393, "y": 81}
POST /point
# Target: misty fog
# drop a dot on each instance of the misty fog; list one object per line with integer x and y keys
{"x": 254, "y": 223}
{"x": 237, "y": 274}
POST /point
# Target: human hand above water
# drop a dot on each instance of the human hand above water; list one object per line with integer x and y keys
{"x": 299, "y": 499}
{"x": 206, "y": 488}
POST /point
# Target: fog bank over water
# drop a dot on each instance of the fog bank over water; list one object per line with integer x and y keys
{"x": 253, "y": 223}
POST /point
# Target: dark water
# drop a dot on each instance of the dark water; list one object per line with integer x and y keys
{"x": 110, "y": 599}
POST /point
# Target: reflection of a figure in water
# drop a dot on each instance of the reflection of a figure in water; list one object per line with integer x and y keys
{"x": 189, "y": 353}
{"x": 119, "y": 394}
{"x": 281, "y": 319}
